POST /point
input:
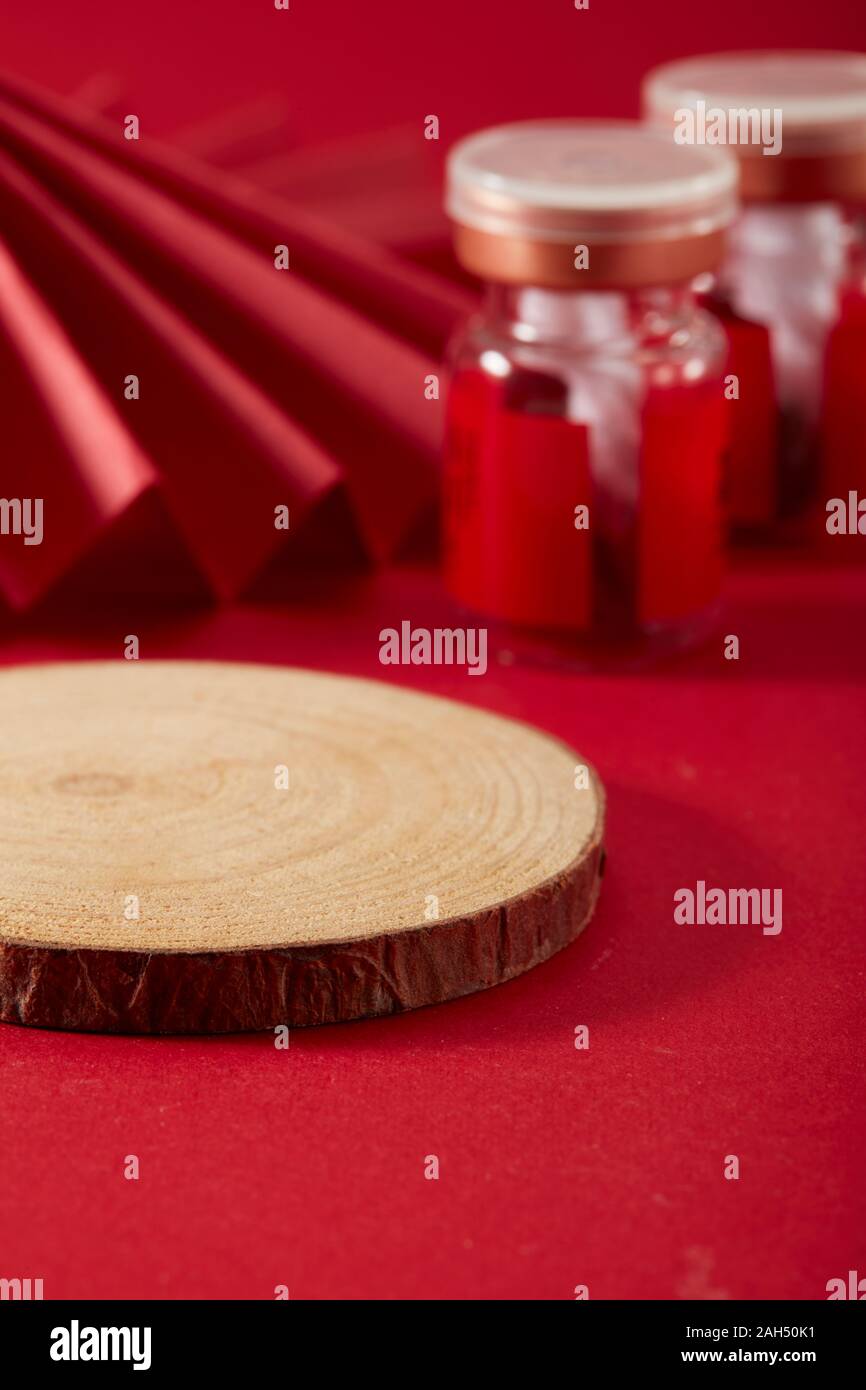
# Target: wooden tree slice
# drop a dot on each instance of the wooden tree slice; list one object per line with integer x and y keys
{"x": 421, "y": 850}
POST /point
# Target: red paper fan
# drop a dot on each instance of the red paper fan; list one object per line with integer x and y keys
{"x": 257, "y": 388}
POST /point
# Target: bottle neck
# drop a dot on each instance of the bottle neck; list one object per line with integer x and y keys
{"x": 583, "y": 318}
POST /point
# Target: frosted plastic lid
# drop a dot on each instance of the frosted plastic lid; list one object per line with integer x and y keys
{"x": 821, "y": 95}
{"x": 588, "y": 181}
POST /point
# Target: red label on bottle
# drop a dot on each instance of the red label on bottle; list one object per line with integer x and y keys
{"x": 751, "y": 473}
{"x": 680, "y": 520}
{"x": 843, "y": 422}
{"x": 513, "y": 481}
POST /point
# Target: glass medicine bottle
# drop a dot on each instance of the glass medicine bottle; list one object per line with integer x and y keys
{"x": 586, "y": 409}
{"x": 792, "y": 290}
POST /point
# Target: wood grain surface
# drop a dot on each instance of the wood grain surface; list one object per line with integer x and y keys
{"x": 212, "y": 847}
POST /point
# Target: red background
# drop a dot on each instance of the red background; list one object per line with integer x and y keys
{"x": 343, "y": 65}
{"x": 558, "y": 1167}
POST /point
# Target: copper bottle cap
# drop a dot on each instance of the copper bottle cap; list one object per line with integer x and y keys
{"x": 524, "y": 198}
{"x": 810, "y": 105}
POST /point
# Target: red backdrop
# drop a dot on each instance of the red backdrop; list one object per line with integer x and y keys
{"x": 341, "y": 65}
{"x": 558, "y": 1167}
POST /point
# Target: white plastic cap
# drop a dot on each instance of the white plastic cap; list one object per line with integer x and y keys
{"x": 821, "y": 94}
{"x": 588, "y": 181}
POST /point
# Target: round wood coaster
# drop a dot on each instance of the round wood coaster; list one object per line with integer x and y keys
{"x": 209, "y": 847}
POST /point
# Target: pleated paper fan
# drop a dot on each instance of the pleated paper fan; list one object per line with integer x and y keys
{"x": 151, "y": 346}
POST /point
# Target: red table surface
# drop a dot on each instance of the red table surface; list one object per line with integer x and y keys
{"x": 558, "y": 1167}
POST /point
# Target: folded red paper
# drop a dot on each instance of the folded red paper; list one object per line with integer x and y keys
{"x": 257, "y": 391}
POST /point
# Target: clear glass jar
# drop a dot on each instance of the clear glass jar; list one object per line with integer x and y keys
{"x": 791, "y": 291}
{"x": 609, "y": 401}
{"x": 790, "y": 280}
{"x": 585, "y": 421}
